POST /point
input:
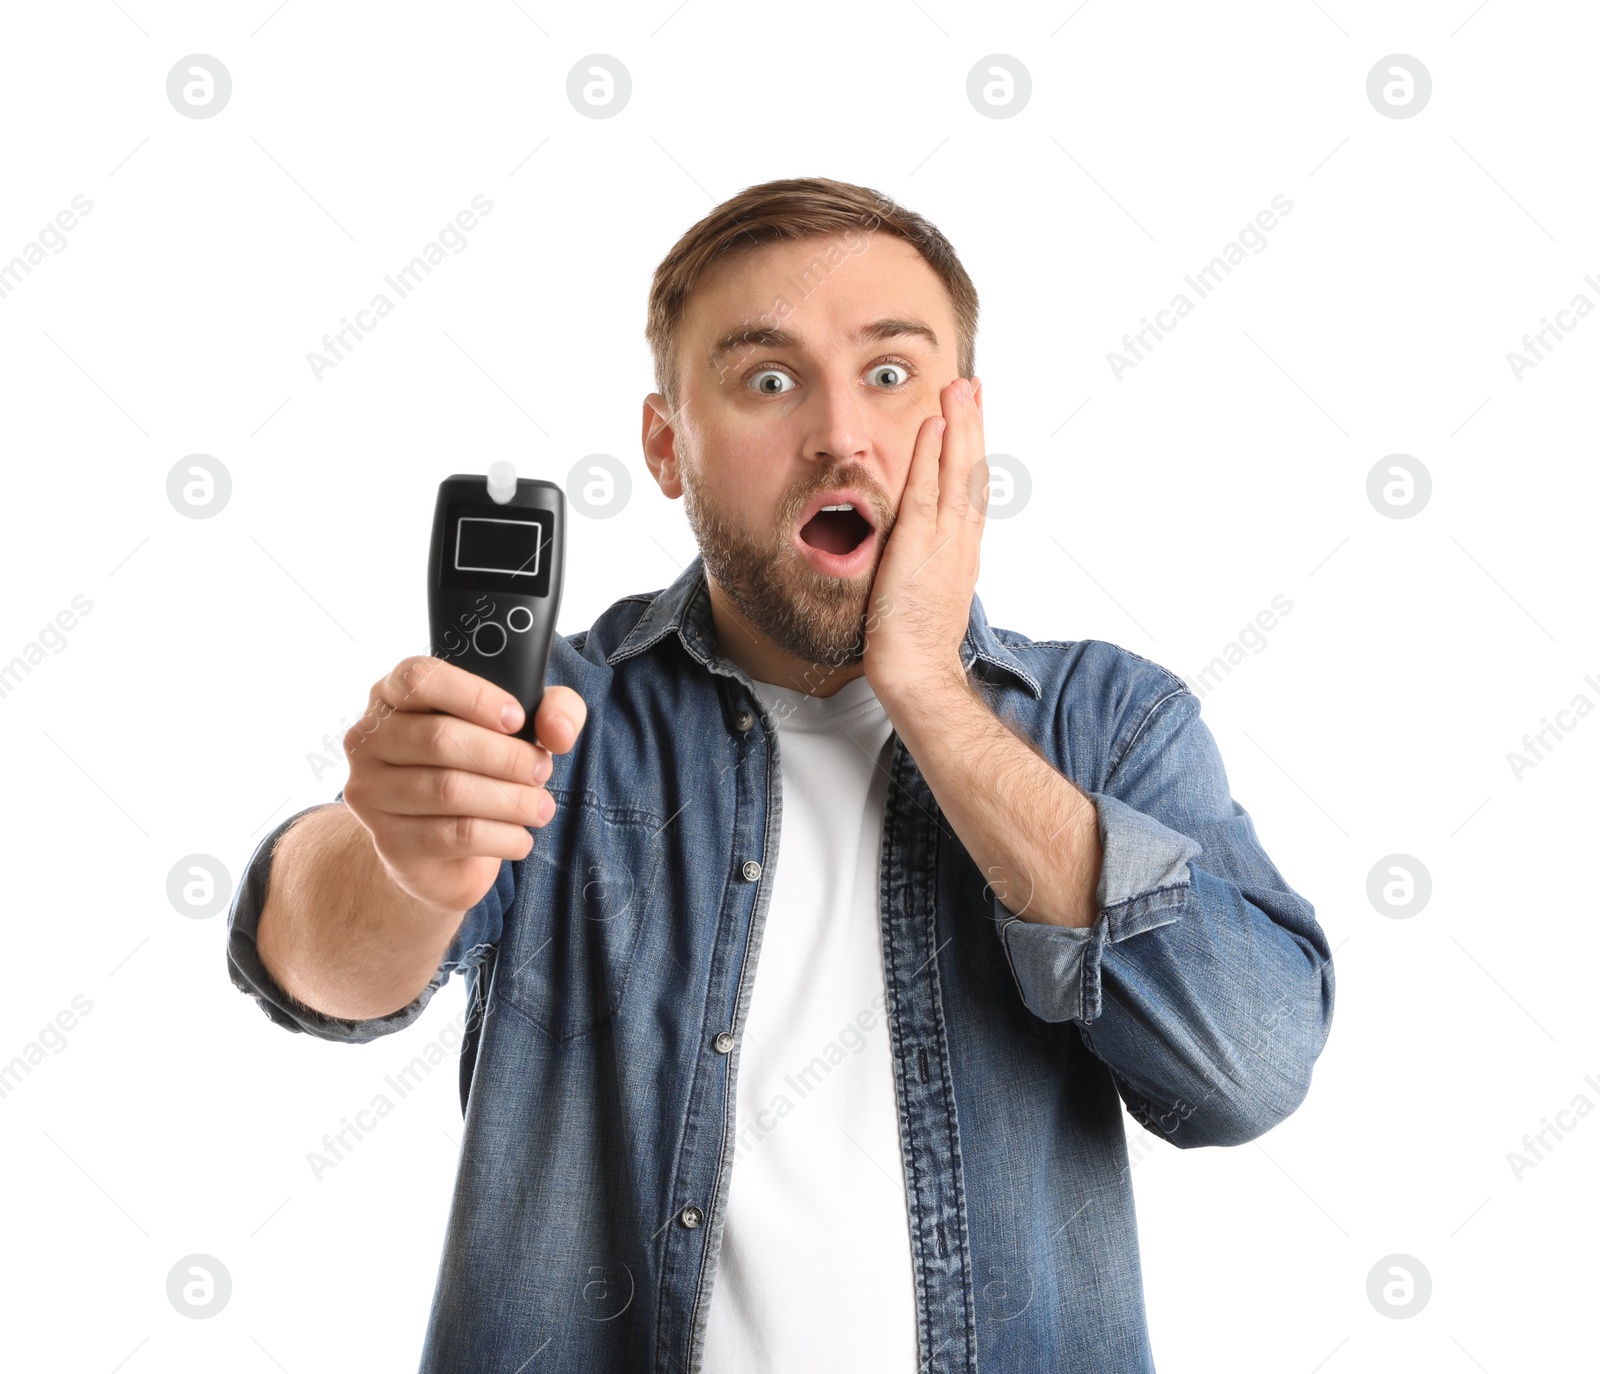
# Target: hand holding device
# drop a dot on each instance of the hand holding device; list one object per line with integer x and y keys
{"x": 445, "y": 805}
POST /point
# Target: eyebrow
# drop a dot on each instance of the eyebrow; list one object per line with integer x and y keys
{"x": 876, "y": 331}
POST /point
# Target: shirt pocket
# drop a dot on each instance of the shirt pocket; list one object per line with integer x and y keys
{"x": 583, "y": 897}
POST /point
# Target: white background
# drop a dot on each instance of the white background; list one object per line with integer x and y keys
{"x": 1168, "y": 508}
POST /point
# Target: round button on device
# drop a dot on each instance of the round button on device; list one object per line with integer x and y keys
{"x": 744, "y": 720}
{"x": 691, "y": 1216}
{"x": 723, "y": 1043}
{"x": 489, "y": 638}
{"x": 751, "y": 869}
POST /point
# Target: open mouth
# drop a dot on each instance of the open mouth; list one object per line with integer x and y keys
{"x": 836, "y": 529}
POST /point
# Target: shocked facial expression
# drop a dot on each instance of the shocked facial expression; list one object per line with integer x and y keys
{"x": 807, "y": 368}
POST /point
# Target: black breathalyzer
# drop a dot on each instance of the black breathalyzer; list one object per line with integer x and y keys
{"x": 494, "y": 579}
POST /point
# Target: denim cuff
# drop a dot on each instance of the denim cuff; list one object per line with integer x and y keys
{"x": 1144, "y": 883}
{"x": 250, "y": 975}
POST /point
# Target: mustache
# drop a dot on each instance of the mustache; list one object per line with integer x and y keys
{"x": 857, "y": 478}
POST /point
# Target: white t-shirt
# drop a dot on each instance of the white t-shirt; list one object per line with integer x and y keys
{"x": 814, "y": 1271}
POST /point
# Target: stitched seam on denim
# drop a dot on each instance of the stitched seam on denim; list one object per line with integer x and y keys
{"x": 1176, "y": 681}
{"x": 539, "y": 1025}
{"x": 1019, "y": 671}
{"x": 628, "y": 630}
{"x": 893, "y": 808}
{"x": 1015, "y": 639}
{"x": 616, "y": 814}
{"x": 952, "y": 1128}
{"x": 509, "y": 1005}
{"x": 1180, "y": 692}
{"x": 1083, "y": 972}
{"x": 1157, "y": 898}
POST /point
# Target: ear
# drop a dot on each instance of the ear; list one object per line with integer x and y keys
{"x": 657, "y": 438}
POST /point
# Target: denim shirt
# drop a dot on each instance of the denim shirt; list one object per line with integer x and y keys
{"x": 609, "y": 975}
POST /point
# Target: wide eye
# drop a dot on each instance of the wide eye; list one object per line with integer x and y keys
{"x": 761, "y": 381}
{"x": 881, "y": 368}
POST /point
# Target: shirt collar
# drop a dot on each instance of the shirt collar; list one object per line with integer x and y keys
{"x": 685, "y": 607}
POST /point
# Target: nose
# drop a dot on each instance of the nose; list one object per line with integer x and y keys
{"x": 838, "y": 427}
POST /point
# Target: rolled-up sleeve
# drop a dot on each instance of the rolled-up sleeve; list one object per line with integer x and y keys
{"x": 1205, "y": 983}
{"x": 478, "y": 934}
{"x": 1144, "y": 874}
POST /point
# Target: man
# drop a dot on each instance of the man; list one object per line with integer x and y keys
{"x": 815, "y": 1066}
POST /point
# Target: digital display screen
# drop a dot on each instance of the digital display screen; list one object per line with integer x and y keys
{"x": 490, "y": 547}
{"x": 506, "y": 546}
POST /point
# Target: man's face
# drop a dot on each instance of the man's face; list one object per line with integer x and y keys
{"x": 771, "y": 427}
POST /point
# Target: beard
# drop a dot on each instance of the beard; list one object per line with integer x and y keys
{"x": 804, "y": 612}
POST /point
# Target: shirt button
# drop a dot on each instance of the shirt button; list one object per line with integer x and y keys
{"x": 751, "y": 870}
{"x": 723, "y": 1043}
{"x": 744, "y": 720}
{"x": 691, "y": 1216}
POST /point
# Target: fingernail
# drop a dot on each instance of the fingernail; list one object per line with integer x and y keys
{"x": 511, "y": 716}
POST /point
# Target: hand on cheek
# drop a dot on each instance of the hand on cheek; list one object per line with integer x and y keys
{"x": 922, "y": 597}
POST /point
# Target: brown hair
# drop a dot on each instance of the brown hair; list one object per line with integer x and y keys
{"x": 796, "y": 208}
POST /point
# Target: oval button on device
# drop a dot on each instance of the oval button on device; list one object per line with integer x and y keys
{"x": 491, "y": 642}
{"x": 751, "y": 869}
{"x": 723, "y": 1043}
